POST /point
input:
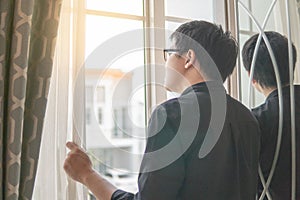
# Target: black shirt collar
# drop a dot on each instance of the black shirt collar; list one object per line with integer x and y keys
{"x": 203, "y": 87}
{"x": 285, "y": 91}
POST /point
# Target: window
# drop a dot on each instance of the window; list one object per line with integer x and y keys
{"x": 122, "y": 125}
{"x": 100, "y": 94}
{"x": 100, "y": 116}
{"x": 89, "y": 94}
{"x": 88, "y": 116}
{"x": 173, "y": 8}
{"x": 131, "y": 7}
{"x": 115, "y": 72}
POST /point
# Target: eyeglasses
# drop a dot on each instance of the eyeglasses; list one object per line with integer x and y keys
{"x": 169, "y": 52}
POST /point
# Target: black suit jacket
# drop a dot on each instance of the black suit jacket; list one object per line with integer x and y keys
{"x": 172, "y": 169}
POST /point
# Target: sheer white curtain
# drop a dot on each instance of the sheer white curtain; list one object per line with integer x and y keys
{"x": 51, "y": 181}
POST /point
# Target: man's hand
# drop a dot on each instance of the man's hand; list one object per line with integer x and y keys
{"x": 77, "y": 164}
{"x": 79, "y": 167}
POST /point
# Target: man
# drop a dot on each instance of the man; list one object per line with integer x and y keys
{"x": 201, "y": 145}
{"x": 264, "y": 81}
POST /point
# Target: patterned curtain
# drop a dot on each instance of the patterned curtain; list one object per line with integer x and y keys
{"x": 27, "y": 43}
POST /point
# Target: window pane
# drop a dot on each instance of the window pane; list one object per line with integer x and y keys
{"x": 244, "y": 20}
{"x": 191, "y": 9}
{"x": 100, "y": 94}
{"x": 133, "y": 7}
{"x": 88, "y": 116}
{"x": 259, "y": 10}
{"x": 100, "y": 116}
{"x": 103, "y": 29}
{"x": 119, "y": 105}
{"x": 170, "y": 28}
{"x": 89, "y": 94}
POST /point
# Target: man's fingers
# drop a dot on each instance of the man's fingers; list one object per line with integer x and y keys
{"x": 71, "y": 145}
{"x": 76, "y": 149}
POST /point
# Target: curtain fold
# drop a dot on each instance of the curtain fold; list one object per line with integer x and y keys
{"x": 27, "y": 44}
{"x": 51, "y": 179}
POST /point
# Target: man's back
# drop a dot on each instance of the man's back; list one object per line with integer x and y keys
{"x": 268, "y": 116}
{"x": 229, "y": 171}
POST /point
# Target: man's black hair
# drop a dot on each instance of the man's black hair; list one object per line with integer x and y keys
{"x": 220, "y": 45}
{"x": 263, "y": 70}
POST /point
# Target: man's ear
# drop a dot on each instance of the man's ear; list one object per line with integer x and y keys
{"x": 253, "y": 81}
{"x": 257, "y": 85}
{"x": 190, "y": 59}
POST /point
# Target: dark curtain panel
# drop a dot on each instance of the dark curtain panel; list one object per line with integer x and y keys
{"x": 28, "y": 30}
